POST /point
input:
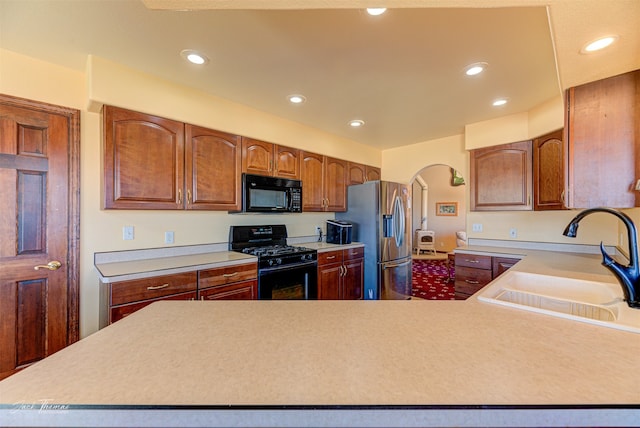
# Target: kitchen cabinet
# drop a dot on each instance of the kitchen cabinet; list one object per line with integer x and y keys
{"x": 501, "y": 177}
{"x": 358, "y": 173}
{"x": 549, "y": 171}
{"x": 239, "y": 282}
{"x": 156, "y": 163}
{"x": 341, "y": 274}
{"x": 324, "y": 185}
{"x": 474, "y": 271}
{"x": 121, "y": 298}
{"x": 262, "y": 158}
{"x": 603, "y": 134}
{"x": 212, "y": 165}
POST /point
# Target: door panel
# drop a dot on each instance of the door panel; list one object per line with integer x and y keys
{"x": 39, "y": 162}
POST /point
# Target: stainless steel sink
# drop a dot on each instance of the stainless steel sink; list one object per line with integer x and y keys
{"x": 599, "y": 303}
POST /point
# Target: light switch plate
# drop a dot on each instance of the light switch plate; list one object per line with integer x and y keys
{"x": 477, "y": 227}
{"x": 168, "y": 237}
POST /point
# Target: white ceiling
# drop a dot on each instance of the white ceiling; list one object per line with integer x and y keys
{"x": 402, "y": 72}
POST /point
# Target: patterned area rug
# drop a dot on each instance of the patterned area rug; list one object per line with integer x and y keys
{"x": 430, "y": 280}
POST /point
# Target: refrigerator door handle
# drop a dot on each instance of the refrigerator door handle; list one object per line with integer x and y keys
{"x": 399, "y": 224}
{"x": 395, "y": 265}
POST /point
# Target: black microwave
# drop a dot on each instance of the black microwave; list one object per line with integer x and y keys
{"x": 262, "y": 194}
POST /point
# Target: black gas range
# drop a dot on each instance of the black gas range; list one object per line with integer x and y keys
{"x": 284, "y": 271}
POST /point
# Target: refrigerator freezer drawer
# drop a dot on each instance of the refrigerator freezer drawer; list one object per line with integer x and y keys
{"x": 395, "y": 280}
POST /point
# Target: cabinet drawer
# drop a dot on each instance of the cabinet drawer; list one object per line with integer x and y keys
{"x": 473, "y": 261}
{"x": 329, "y": 257}
{"x": 119, "y": 312}
{"x": 227, "y": 275}
{"x": 152, "y": 288}
{"x": 353, "y": 253}
{"x": 473, "y": 277}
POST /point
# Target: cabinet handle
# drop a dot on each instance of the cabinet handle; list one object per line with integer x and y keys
{"x": 229, "y": 275}
{"x": 472, "y": 261}
{"x": 179, "y": 196}
{"x": 471, "y": 281}
{"x": 344, "y": 271}
{"x": 331, "y": 257}
{"x": 189, "y": 196}
{"x": 157, "y": 287}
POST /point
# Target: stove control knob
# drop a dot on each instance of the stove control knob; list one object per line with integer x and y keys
{"x": 271, "y": 262}
{"x": 278, "y": 261}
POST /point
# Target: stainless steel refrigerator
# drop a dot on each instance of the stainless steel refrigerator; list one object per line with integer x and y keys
{"x": 380, "y": 212}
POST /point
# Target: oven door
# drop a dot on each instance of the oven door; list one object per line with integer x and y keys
{"x": 293, "y": 282}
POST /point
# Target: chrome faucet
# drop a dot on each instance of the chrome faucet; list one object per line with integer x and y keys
{"x": 627, "y": 276}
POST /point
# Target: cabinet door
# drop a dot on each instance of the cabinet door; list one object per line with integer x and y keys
{"x": 213, "y": 170}
{"x": 257, "y": 157}
{"x": 373, "y": 173}
{"x": 143, "y": 161}
{"x": 603, "y": 137}
{"x": 287, "y": 162}
{"x": 356, "y": 173}
{"x": 353, "y": 279}
{"x": 312, "y": 182}
{"x": 335, "y": 183}
{"x": 329, "y": 281}
{"x": 502, "y": 264}
{"x": 244, "y": 290}
{"x": 549, "y": 172}
{"x": 501, "y": 177}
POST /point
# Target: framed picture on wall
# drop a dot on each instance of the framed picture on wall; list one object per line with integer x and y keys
{"x": 447, "y": 208}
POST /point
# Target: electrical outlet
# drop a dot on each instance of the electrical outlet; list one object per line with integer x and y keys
{"x": 513, "y": 232}
{"x": 127, "y": 233}
{"x": 477, "y": 227}
{"x": 168, "y": 237}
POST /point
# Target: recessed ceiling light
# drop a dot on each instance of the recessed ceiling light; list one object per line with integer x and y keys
{"x": 475, "y": 68}
{"x": 598, "y": 44}
{"x": 375, "y": 11}
{"x": 356, "y": 123}
{"x": 500, "y": 102}
{"x": 194, "y": 57}
{"x": 296, "y": 99}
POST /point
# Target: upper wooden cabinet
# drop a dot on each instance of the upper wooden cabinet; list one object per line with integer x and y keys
{"x": 549, "y": 172}
{"x": 262, "y": 158}
{"x": 358, "y": 173}
{"x": 149, "y": 164}
{"x": 143, "y": 161}
{"x": 603, "y": 130}
{"x": 212, "y": 163}
{"x": 323, "y": 183}
{"x": 501, "y": 177}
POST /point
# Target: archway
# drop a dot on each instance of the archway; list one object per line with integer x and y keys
{"x": 439, "y": 205}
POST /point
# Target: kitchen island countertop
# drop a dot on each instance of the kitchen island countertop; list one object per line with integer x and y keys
{"x": 445, "y": 358}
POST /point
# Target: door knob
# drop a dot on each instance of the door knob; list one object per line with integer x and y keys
{"x": 54, "y": 265}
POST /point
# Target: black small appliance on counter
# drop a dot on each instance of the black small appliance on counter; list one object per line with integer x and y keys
{"x": 339, "y": 232}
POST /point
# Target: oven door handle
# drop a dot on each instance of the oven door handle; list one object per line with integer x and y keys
{"x": 262, "y": 271}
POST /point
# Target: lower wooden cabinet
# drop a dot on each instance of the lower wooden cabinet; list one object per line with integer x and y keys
{"x": 239, "y": 282}
{"x": 341, "y": 274}
{"x": 474, "y": 271}
{"x": 122, "y": 298}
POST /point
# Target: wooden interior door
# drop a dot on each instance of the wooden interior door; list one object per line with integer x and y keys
{"x": 39, "y": 231}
